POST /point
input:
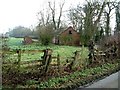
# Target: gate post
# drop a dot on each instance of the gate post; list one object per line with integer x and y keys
{"x": 47, "y": 59}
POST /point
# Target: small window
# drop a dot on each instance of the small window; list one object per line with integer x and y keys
{"x": 70, "y": 32}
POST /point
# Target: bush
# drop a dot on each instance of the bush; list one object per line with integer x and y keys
{"x": 45, "y": 39}
{"x": 46, "y": 34}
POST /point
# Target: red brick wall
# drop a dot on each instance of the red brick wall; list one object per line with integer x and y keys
{"x": 70, "y": 37}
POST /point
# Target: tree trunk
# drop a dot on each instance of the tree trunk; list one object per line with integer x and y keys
{"x": 108, "y": 25}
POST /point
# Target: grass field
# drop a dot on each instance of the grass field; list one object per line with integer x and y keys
{"x": 15, "y": 41}
{"x": 63, "y": 51}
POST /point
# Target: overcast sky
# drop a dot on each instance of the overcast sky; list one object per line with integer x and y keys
{"x": 23, "y": 12}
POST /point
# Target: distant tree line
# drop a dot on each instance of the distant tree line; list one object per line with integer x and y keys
{"x": 21, "y": 31}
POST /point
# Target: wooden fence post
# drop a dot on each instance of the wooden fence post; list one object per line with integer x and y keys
{"x": 74, "y": 63}
{"x": 58, "y": 62}
{"x": 76, "y": 58}
{"x": 19, "y": 57}
{"x": 47, "y": 58}
{"x": 44, "y": 57}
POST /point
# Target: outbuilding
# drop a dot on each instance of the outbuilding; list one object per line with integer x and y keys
{"x": 27, "y": 40}
{"x": 69, "y": 37}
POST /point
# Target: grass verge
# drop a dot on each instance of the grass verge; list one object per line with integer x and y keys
{"x": 76, "y": 79}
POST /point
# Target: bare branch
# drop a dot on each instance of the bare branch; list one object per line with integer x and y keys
{"x": 53, "y": 14}
{"x": 101, "y": 10}
{"x": 59, "y": 19}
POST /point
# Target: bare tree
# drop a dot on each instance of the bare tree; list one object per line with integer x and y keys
{"x": 44, "y": 17}
{"x": 53, "y": 12}
{"x": 117, "y": 11}
{"x": 93, "y": 12}
{"x": 108, "y": 10}
{"x": 97, "y": 11}
{"x": 75, "y": 16}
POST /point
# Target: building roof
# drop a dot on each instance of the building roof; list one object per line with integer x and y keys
{"x": 69, "y": 28}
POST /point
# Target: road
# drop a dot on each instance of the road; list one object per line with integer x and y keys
{"x": 112, "y": 81}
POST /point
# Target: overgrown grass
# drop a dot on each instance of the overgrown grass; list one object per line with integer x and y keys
{"x": 74, "y": 79}
{"x": 62, "y": 81}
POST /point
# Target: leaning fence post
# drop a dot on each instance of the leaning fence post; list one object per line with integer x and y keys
{"x": 48, "y": 59}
